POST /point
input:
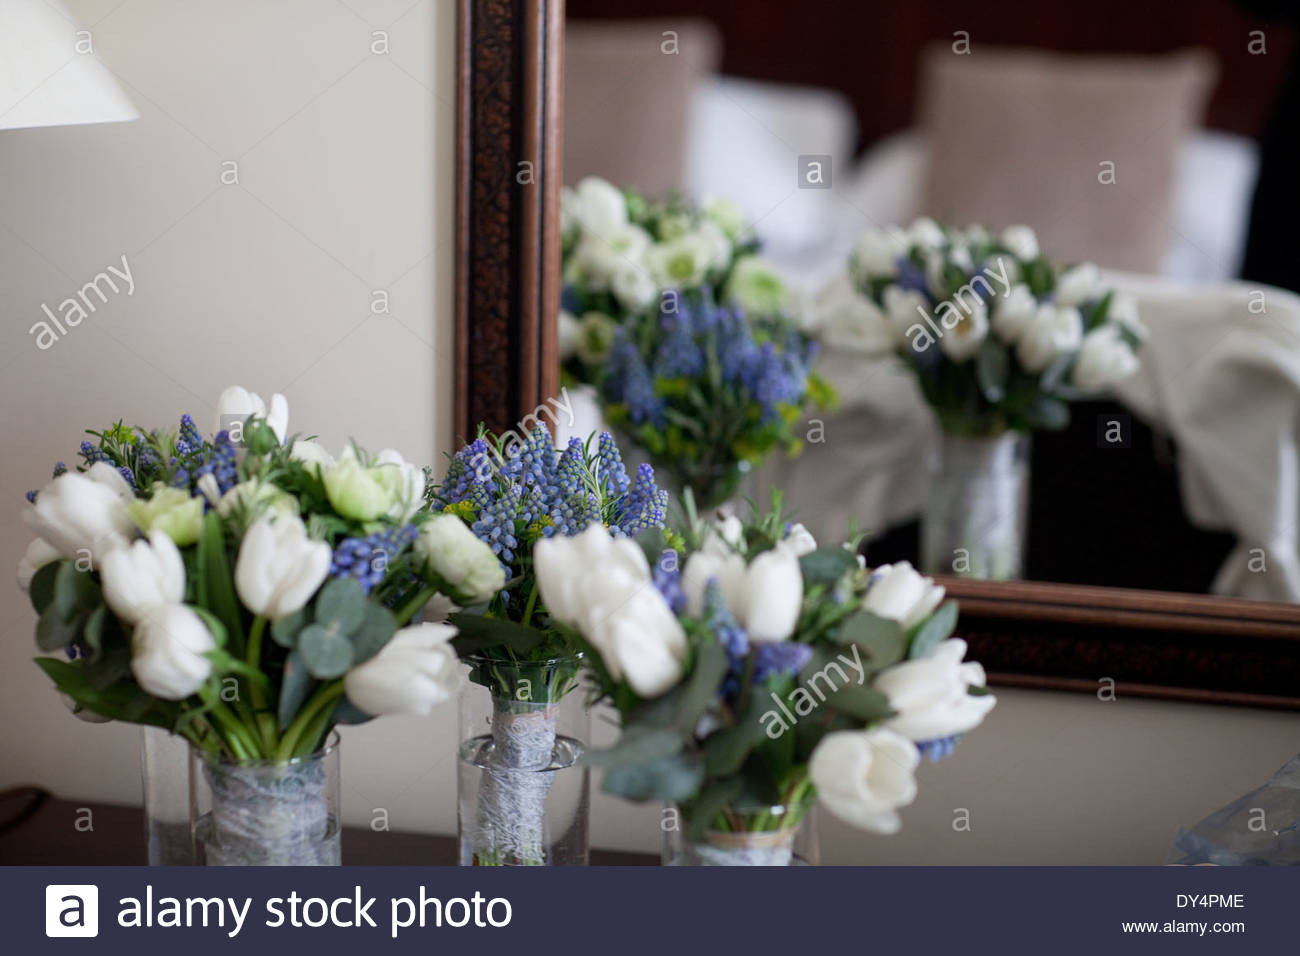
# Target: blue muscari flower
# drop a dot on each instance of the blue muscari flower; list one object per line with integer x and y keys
{"x": 784, "y": 658}
{"x": 667, "y": 576}
{"x": 645, "y": 506}
{"x": 190, "y": 440}
{"x": 90, "y": 453}
{"x": 728, "y": 633}
{"x": 367, "y": 559}
{"x": 220, "y": 459}
{"x": 59, "y": 469}
{"x": 630, "y": 381}
{"x": 936, "y": 750}
{"x": 679, "y": 354}
{"x": 612, "y": 475}
{"x": 128, "y": 475}
{"x": 31, "y": 496}
{"x": 495, "y": 525}
{"x": 911, "y": 277}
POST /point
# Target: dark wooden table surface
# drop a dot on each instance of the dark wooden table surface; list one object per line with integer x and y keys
{"x": 40, "y": 830}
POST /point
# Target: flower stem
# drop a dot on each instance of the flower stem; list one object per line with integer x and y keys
{"x": 409, "y": 609}
{"x": 296, "y": 733}
{"x": 264, "y": 720}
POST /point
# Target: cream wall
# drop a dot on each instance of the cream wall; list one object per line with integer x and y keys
{"x": 345, "y": 177}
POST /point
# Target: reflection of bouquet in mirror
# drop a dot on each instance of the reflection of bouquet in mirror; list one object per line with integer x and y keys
{"x": 754, "y": 673}
{"x": 1000, "y": 341}
{"x": 999, "y": 338}
{"x": 245, "y": 591}
{"x": 685, "y": 333}
{"x": 514, "y": 492}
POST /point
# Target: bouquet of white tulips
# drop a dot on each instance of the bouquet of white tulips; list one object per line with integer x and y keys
{"x": 754, "y": 672}
{"x": 1000, "y": 339}
{"x": 246, "y": 590}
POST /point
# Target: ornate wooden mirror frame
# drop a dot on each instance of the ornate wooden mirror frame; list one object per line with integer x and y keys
{"x": 1028, "y": 634}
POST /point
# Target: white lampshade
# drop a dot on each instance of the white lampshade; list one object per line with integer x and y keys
{"x": 44, "y": 80}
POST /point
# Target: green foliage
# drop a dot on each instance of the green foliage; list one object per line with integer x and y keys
{"x": 933, "y": 630}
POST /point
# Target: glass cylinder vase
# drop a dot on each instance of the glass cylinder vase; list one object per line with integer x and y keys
{"x": 166, "y": 771}
{"x": 524, "y": 793}
{"x": 974, "y": 519}
{"x": 764, "y": 836}
{"x": 267, "y": 812}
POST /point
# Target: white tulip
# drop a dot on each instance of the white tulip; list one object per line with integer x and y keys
{"x": 254, "y": 497}
{"x": 169, "y": 649}
{"x": 237, "y": 404}
{"x": 569, "y": 332}
{"x": 102, "y": 473}
{"x": 724, "y": 534}
{"x": 851, "y": 322}
{"x": 725, "y": 567}
{"x": 642, "y": 641}
{"x": 1053, "y": 333}
{"x": 460, "y": 560}
{"x": 1104, "y": 359}
{"x": 876, "y": 254}
{"x": 565, "y": 564}
{"x": 931, "y": 694}
{"x": 1021, "y": 242}
{"x": 80, "y": 517}
{"x": 143, "y": 576}
{"x": 599, "y": 206}
{"x": 279, "y": 568}
{"x": 413, "y": 673}
{"x": 771, "y": 597}
{"x": 1077, "y": 284}
{"x": 1013, "y": 313}
{"x": 925, "y": 232}
{"x": 1124, "y": 311}
{"x": 904, "y": 307}
{"x": 311, "y": 453}
{"x": 39, "y": 553}
{"x": 799, "y": 540}
{"x": 899, "y": 593}
{"x": 962, "y": 342}
{"x": 863, "y": 777}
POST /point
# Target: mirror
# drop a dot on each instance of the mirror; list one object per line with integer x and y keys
{"x": 1072, "y": 425}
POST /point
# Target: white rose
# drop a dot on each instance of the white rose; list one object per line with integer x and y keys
{"x": 1021, "y": 242}
{"x": 1104, "y": 359}
{"x": 1013, "y": 312}
{"x": 460, "y": 560}
{"x": 681, "y": 263}
{"x": 599, "y": 206}
{"x": 413, "y": 673}
{"x": 851, "y": 322}
{"x": 925, "y": 232}
{"x": 1054, "y": 332}
{"x": 279, "y": 568}
{"x": 726, "y": 212}
{"x": 39, "y": 553}
{"x": 570, "y": 330}
{"x": 715, "y": 241}
{"x": 863, "y": 777}
{"x": 596, "y": 337}
{"x": 80, "y": 517}
{"x": 962, "y": 342}
{"x": 931, "y": 694}
{"x": 142, "y": 576}
{"x": 876, "y": 254}
{"x": 169, "y": 650}
{"x": 410, "y": 495}
{"x": 1078, "y": 284}
{"x": 899, "y": 593}
{"x": 253, "y": 496}
{"x": 634, "y": 287}
{"x": 311, "y": 453}
{"x": 756, "y": 287}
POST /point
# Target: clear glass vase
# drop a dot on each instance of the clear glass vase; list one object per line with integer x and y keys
{"x": 974, "y": 519}
{"x": 524, "y": 792}
{"x": 166, "y": 771}
{"x": 766, "y": 836}
{"x": 269, "y": 813}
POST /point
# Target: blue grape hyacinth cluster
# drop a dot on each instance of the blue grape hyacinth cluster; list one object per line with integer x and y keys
{"x": 368, "y": 559}
{"x": 524, "y": 490}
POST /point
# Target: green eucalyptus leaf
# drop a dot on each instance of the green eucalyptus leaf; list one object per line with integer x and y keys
{"x": 74, "y": 591}
{"x": 934, "y": 629}
{"x": 113, "y": 665}
{"x": 701, "y": 688}
{"x": 992, "y": 365}
{"x": 883, "y": 640}
{"x": 92, "y": 633}
{"x": 862, "y": 703}
{"x": 341, "y": 604}
{"x": 295, "y": 685}
{"x": 285, "y": 631}
{"x": 1047, "y": 413}
{"x": 726, "y": 750}
{"x": 711, "y": 801}
{"x": 53, "y": 632}
{"x": 637, "y": 745}
{"x": 41, "y": 590}
{"x": 377, "y": 628}
{"x": 827, "y": 565}
{"x": 673, "y": 778}
{"x": 346, "y": 712}
{"x": 326, "y": 653}
{"x": 478, "y": 632}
